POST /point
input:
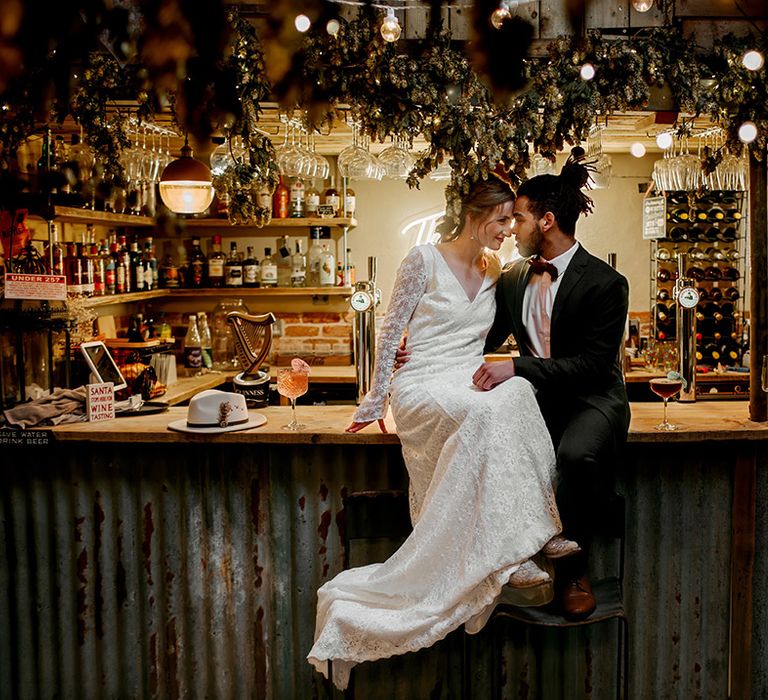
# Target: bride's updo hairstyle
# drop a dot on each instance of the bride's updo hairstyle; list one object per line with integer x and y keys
{"x": 484, "y": 197}
{"x": 561, "y": 194}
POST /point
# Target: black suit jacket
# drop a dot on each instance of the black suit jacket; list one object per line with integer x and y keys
{"x": 588, "y": 321}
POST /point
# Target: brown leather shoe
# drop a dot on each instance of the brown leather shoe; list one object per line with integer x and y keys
{"x": 576, "y": 599}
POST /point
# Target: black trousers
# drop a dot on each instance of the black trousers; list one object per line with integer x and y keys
{"x": 586, "y": 448}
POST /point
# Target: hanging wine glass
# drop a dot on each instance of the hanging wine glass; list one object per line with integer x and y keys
{"x": 356, "y": 162}
{"x": 396, "y": 160}
{"x": 541, "y": 166}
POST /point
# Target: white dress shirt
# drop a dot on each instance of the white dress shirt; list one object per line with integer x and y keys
{"x": 532, "y": 301}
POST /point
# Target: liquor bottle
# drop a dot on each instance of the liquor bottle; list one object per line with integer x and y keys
{"x": 110, "y": 267}
{"x": 350, "y": 274}
{"x": 125, "y": 262}
{"x": 339, "y": 273}
{"x": 283, "y": 262}
{"x": 281, "y": 200}
{"x": 298, "y": 267}
{"x": 233, "y": 268}
{"x": 86, "y": 271}
{"x": 99, "y": 270}
{"x": 121, "y": 272}
{"x": 57, "y": 267}
{"x": 206, "y": 345}
{"x": 193, "y": 353}
{"x": 73, "y": 271}
{"x": 350, "y": 202}
{"x": 168, "y": 271}
{"x": 136, "y": 269}
{"x": 250, "y": 269}
{"x": 297, "y": 199}
{"x": 327, "y": 268}
{"x": 311, "y": 200}
{"x": 313, "y": 257}
{"x": 268, "y": 270}
{"x": 264, "y": 197}
{"x": 332, "y": 197}
{"x": 216, "y": 261}
{"x": 151, "y": 271}
{"x": 196, "y": 266}
{"x": 134, "y": 334}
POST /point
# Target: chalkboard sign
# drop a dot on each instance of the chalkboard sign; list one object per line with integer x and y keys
{"x": 654, "y": 217}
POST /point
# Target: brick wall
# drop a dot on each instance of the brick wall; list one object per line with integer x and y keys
{"x": 315, "y": 334}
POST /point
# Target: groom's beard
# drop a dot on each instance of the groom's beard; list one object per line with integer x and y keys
{"x": 535, "y": 242}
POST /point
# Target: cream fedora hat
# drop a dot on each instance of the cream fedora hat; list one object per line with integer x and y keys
{"x": 214, "y": 411}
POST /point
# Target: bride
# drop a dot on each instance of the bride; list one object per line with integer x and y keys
{"x": 480, "y": 463}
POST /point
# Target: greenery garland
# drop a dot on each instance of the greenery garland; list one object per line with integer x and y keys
{"x": 428, "y": 87}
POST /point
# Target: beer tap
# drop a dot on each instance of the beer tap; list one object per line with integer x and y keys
{"x": 686, "y": 297}
{"x": 364, "y": 301}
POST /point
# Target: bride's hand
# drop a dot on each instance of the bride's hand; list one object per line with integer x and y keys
{"x": 491, "y": 374}
{"x": 356, "y": 427}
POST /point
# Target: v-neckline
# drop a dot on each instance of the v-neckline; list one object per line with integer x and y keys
{"x": 456, "y": 279}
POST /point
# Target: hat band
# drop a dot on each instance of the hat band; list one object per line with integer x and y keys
{"x": 223, "y": 424}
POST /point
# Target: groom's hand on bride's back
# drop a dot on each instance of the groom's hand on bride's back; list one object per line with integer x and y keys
{"x": 491, "y": 374}
{"x": 402, "y": 355}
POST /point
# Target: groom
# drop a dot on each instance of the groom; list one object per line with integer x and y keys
{"x": 567, "y": 310}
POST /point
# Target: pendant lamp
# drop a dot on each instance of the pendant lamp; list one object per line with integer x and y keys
{"x": 185, "y": 185}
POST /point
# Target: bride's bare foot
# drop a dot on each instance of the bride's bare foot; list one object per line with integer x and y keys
{"x": 528, "y": 575}
{"x": 559, "y": 547}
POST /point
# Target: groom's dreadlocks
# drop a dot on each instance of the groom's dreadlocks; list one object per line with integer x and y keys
{"x": 561, "y": 194}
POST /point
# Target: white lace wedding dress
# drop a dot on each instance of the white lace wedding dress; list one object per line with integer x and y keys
{"x": 481, "y": 466}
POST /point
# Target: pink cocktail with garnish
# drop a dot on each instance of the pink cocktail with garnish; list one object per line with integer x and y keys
{"x": 666, "y": 388}
{"x": 293, "y": 382}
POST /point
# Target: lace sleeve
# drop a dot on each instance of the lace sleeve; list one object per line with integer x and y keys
{"x": 410, "y": 283}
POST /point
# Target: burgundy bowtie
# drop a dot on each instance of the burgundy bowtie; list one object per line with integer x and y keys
{"x": 538, "y": 265}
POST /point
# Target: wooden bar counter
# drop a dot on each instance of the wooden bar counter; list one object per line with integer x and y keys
{"x": 191, "y": 562}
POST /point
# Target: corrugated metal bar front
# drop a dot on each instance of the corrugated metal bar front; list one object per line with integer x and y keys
{"x": 760, "y": 585}
{"x": 156, "y": 571}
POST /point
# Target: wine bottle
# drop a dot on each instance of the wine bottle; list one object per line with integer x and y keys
{"x": 715, "y": 214}
{"x": 703, "y": 293}
{"x": 665, "y": 275}
{"x": 678, "y": 234}
{"x": 216, "y": 260}
{"x": 664, "y": 313}
{"x": 729, "y": 352}
{"x": 663, "y": 254}
{"x": 732, "y": 294}
{"x": 663, "y": 294}
{"x": 715, "y": 294}
{"x": 730, "y": 273}
{"x": 695, "y": 273}
{"x": 712, "y": 273}
{"x": 196, "y": 277}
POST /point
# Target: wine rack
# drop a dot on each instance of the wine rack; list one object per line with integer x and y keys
{"x": 710, "y": 230}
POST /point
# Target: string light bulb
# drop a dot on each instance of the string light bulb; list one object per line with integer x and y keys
{"x": 390, "y": 26}
{"x": 587, "y": 71}
{"x": 752, "y": 60}
{"x": 332, "y": 27}
{"x": 637, "y": 149}
{"x": 642, "y": 5}
{"x": 302, "y": 23}
{"x": 664, "y": 140}
{"x": 747, "y": 132}
{"x": 499, "y": 15}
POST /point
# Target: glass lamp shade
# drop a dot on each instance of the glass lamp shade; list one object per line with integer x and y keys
{"x": 185, "y": 185}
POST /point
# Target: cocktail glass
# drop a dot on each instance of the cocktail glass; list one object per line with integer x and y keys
{"x": 292, "y": 383}
{"x": 666, "y": 388}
